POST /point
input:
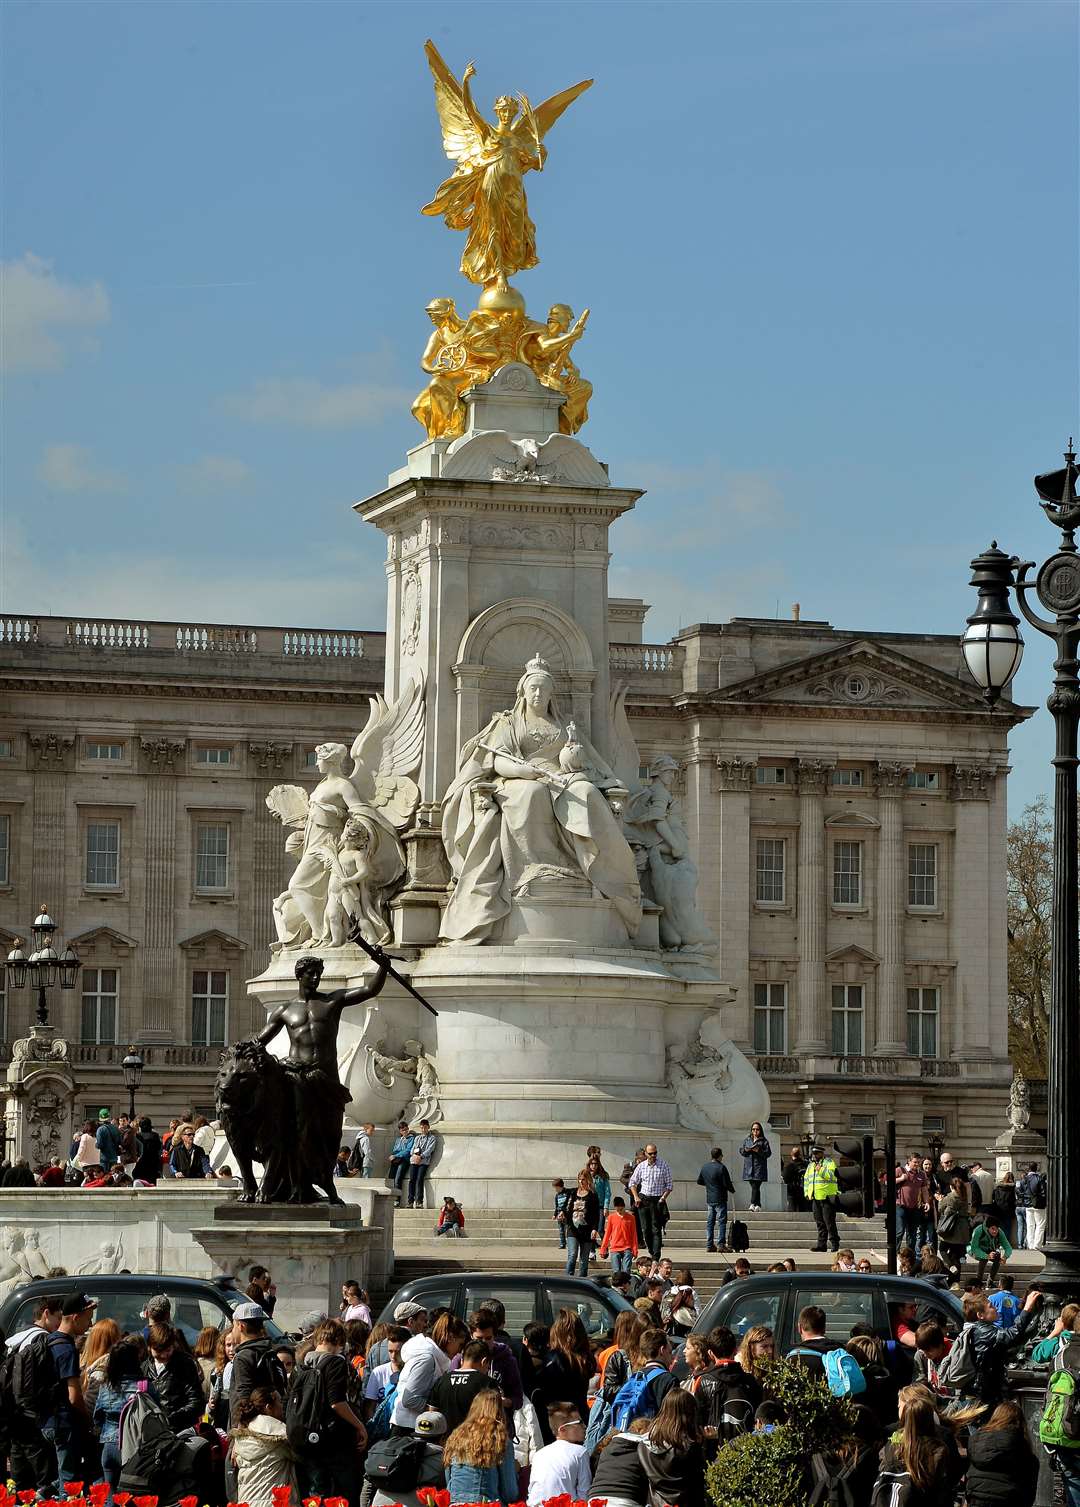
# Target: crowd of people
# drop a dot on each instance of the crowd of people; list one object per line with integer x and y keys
{"x": 372, "y": 1414}
{"x": 122, "y": 1151}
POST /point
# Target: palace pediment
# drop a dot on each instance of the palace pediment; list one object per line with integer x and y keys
{"x": 861, "y": 673}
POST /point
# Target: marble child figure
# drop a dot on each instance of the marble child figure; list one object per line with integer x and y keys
{"x": 513, "y": 815}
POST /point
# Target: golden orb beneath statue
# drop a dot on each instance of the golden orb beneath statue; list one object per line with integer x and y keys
{"x": 496, "y": 300}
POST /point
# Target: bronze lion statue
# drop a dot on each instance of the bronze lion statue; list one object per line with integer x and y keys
{"x": 252, "y": 1100}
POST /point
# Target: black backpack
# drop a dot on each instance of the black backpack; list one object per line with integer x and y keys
{"x": 830, "y": 1482}
{"x": 731, "y": 1410}
{"x": 740, "y": 1236}
{"x": 29, "y": 1382}
{"x": 1038, "y": 1199}
{"x": 307, "y": 1414}
{"x": 394, "y": 1463}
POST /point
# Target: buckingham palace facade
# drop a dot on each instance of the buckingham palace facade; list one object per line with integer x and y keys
{"x": 845, "y": 795}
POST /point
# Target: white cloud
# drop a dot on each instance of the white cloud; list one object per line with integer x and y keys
{"x": 71, "y": 468}
{"x": 39, "y": 313}
{"x": 215, "y": 473}
{"x": 310, "y": 404}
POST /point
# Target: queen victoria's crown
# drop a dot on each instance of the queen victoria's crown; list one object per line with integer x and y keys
{"x": 537, "y": 666}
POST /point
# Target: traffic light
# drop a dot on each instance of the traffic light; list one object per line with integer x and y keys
{"x": 855, "y": 1176}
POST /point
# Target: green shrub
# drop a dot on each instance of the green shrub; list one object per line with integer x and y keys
{"x": 769, "y": 1470}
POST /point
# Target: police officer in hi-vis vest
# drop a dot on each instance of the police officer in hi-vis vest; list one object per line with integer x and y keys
{"x": 822, "y": 1190}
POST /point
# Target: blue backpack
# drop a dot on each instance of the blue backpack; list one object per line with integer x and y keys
{"x": 378, "y": 1426}
{"x": 843, "y": 1374}
{"x": 634, "y": 1399}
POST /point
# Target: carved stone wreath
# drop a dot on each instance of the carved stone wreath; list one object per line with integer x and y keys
{"x": 858, "y": 686}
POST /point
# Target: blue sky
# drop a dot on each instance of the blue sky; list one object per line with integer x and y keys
{"x": 830, "y": 252}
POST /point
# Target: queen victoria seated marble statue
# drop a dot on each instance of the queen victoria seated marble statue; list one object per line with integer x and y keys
{"x": 516, "y": 816}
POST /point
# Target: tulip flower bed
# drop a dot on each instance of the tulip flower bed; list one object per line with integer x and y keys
{"x": 95, "y": 1496}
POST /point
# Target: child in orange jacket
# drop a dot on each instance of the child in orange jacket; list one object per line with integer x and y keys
{"x": 620, "y": 1237}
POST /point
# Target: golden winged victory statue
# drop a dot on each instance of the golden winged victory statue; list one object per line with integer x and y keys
{"x": 485, "y": 196}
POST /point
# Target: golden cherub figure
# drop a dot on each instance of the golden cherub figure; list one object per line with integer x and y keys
{"x": 485, "y": 195}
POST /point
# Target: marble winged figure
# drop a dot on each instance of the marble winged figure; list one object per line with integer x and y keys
{"x": 654, "y": 827}
{"x": 485, "y": 195}
{"x": 345, "y": 835}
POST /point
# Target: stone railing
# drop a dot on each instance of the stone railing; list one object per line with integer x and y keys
{"x": 109, "y": 1054}
{"x": 867, "y": 1067}
{"x": 937, "y": 1067}
{"x": 777, "y": 1067}
{"x": 135, "y": 636}
{"x": 646, "y": 659}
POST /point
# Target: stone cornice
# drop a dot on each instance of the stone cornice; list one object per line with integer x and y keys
{"x": 354, "y": 695}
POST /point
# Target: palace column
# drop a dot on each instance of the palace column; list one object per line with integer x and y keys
{"x": 268, "y": 849}
{"x": 891, "y": 1034}
{"x": 51, "y": 756}
{"x": 810, "y": 982}
{"x": 975, "y": 914}
{"x": 159, "y": 756}
{"x": 726, "y": 897}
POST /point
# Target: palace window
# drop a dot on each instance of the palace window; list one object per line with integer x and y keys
{"x": 100, "y": 990}
{"x": 212, "y": 755}
{"x": 864, "y": 1122}
{"x": 770, "y": 1019}
{"x": 209, "y": 1007}
{"x": 112, "y": 752}
{"x": 851, "y": 778}
{"x": 770, "y": 774}
{"x": 770, "y": 870}
{"x": 923, "y": 779}
{"x": 103, "y": 854}
{"x": 922, "y": 875}
{"x": 5, "y": 849}
{"x": 847, "y": 1020}
{"x": 922, "y": 1022}
{"x": 7, "y": 748}
{"x": 310, "y": 759}
{"x": 847, "y": 873}
{"x": 212, "y": 856}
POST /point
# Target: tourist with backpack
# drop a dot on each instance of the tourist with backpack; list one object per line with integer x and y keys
{"x": 264, "y": 1459}
{"x": 397, "y": 1469}
{"x": 1002, "y": 1468}
{"x": 320, "y": 1424}
{"x": 28, "y": 1383}
{"x": 254, "y": 1362}
{"x": 974, "y": 1368}
{"x": 478, "y": 1457}
{"x": 380, "y": 1385}
{"x": 812, "y": 1348}
{"x": 175, "y": 1374}
{"x": 1059, "y": 1426}
{"x": 920, "y": 1465}
{"x": 1032, "y": 1190}
{"x": 425, "y": 1357}
{"x": 67, "y": 1426}
{"x": 673, "y": 1453}
{"x": 715, "y": 1178}
{"x": 954, "y": 1225}
{"x": 643, "y": 1393}
{"x": 845, "y": 1477}
{"x": 727, "y": 1397}
{"x": 123, "y": 1374}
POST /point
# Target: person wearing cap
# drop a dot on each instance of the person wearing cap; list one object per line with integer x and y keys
{"x": 254, "y": 1363}
{"x": 67, "y": 1428}
{"x": 411, "y": 1316}
{"x": 107, "y": 1140}
{"x": 822, "y": 1190}
{"x": 431, "y": 1427}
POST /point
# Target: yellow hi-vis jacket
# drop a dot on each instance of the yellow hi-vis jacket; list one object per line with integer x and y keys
{"x": 819, "y": 1179}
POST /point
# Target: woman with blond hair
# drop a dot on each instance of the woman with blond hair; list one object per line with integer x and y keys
{"x": 478, "y": 1457}
{"x": 758, "y": 1346}
{"x": 920, "y": 1461}
{"x": 100, "y": 1339}
{"x": 673, "y": 1454}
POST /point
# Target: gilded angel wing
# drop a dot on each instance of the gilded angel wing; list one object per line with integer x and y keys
{"x": 462, "y": 138}
{"x": 623, "y": 754}
{"x": 548, "y": 113}
{"x": 388, "y": 752}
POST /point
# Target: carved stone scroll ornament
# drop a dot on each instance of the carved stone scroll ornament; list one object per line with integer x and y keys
{"x": 733, "y": 775}
{"x": 268, "y": 756}
{"x": 973, "y": 782}
{"x": 891, "y": 779}
{"x": 160, "y": 754}
{"x": 50, "y": 750}
{"x": 813, "y": 776}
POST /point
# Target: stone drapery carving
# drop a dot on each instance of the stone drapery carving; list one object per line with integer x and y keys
{"x": 50, "y": 750}
{"x": 513, "y": 815}
{"x": 973, "y": 782}
{"x": 1019, "y": 1103}
{"x": 712, "y": 1082}
{"x": 654, "y": 828}
{"x": 424, "y": 1105}
{"x": 411, "y": 608}
{"x": 21, "y": 1259}
{"x": 160, "y": 754}
{"x": 345, "y": 834}
{"x": 268, "y": 756}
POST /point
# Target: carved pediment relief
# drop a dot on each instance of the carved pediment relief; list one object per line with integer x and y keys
{"x": 851, "y": 819}
{"x": 213, "y": 944}
{"x": 851, "y": 953}
{"x": 102, "y": 941}
{"x": 858, "y": 674}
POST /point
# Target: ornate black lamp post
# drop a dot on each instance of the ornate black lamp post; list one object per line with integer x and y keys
{"x": 936, "y": 1144}
{"x": 44, "y": 964}
{"x": 133, "y": 1071}
{"x": 992, "y": 648}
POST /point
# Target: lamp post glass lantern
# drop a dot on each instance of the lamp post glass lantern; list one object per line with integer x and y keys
{"x": 43, "y": 965}
{"x": 133, "y": 1071}
{"x": 992, "y": 648}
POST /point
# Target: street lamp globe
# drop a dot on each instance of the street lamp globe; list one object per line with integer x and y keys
{"x": 992, "y": 645}
{"x": 16, "y": 963}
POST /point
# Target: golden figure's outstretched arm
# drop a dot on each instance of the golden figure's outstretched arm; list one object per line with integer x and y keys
{"x": 464, "y": 129}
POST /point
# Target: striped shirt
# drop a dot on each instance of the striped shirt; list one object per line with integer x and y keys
{"x": 652, "y": 1180}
